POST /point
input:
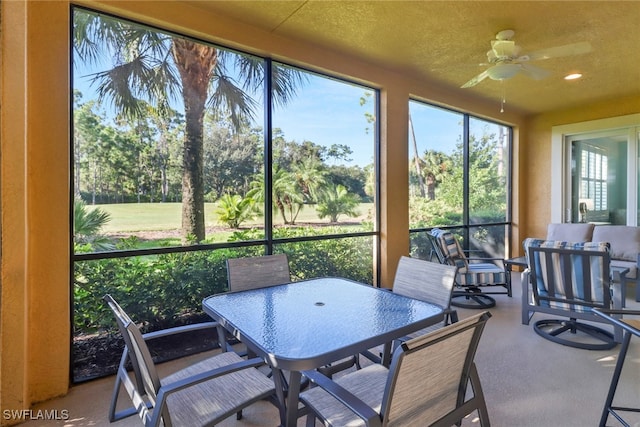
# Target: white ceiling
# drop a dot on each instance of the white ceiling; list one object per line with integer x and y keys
{"x": 445, "y": 41}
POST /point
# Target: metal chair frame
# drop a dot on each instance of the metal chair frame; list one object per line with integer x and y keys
{"x": 476, "y": 295}
{"x": 566, "y": 296}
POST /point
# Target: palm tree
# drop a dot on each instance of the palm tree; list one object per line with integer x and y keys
{"x": 310, "y": 176}
{"x": 437, "y": 165}
{"x": 288, "y": 200}
{"x": 87, "y": 225}
{"x": 234, "y": 209}
{"x": 156, "y": 68}
{"x": 336, "y": 200}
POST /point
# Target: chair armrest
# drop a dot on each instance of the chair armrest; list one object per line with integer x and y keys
{"x": 344, "y": 396}
{"x": 500, "y": 260}
{"x": 179, "y": 330}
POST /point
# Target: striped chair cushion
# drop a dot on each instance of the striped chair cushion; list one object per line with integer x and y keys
{"x": 558, "y": 269}
{"x": 452, "y": 249}
{"x": 481, "y": 274}
{"x": 468, "y": 273}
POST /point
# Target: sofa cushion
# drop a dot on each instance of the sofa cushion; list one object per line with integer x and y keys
{"x": 570, "y": 232}
{"x": 624, "y": 240}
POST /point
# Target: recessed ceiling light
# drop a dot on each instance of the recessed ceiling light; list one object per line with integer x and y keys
{"x": 573, "y": 76}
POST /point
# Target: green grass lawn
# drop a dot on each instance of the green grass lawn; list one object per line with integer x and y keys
{"x": 132, "y": 217}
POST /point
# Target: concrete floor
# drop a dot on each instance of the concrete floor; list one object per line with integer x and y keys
{"x": 527, "y": 381}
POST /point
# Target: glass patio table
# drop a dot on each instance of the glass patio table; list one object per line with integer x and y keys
{"x": 308, "y": 324}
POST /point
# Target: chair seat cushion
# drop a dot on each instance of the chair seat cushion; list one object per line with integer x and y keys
{"x": 480, "y": 274}
{"x": 367, "y": 384}
{"x": 218, "y": 398}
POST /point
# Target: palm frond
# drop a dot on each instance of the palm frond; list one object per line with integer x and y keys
{"x": 285, "y": 81}
{"x": 228, "y": 96}
{"x": 251, "y": 70}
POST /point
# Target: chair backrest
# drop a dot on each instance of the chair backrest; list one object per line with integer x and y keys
{"x": 570, "y": 276}
{"x": 424, "y": 280}
{"x": 435, "y": 249}
{"x": 429, "y": 374}
{"x": 147, "y": 381}
{"x": 451, "y": 249}
{"x": 256, "y": 272}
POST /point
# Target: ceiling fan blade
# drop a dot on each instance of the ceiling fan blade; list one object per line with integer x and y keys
{"x": 534, "y": 72}
{"x": 477, "y": 79}
{"x": 558, "y": 51}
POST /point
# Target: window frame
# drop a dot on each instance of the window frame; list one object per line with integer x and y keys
{"x": 465, "y": 229}
{"x": 269, "y": 241}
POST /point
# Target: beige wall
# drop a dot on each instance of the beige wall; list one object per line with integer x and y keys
{"x": 35, "y": 189}
{"x": 34, "y": 319}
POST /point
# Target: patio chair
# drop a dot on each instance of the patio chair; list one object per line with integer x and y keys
{"x": 256, "y": 272}
{"x": 476, "y": 278}
{"x": 201, "y": 394}
{"x": 569, "y": 280}
{"x": 268, "y": 270}
{"x": 427, "y": 281}
{"x": 426, "y": 384}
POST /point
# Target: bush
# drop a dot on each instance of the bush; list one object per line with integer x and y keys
{"x": 161, "y": 291}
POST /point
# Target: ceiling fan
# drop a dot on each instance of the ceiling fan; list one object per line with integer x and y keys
{"x": 506, "y": 59}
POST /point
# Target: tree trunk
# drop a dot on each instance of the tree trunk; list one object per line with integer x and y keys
{"x": 417, "y": 159}
{"x": 431, "y": 186}
{"x": 195, "y": 63}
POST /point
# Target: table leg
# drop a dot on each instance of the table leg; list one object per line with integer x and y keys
{"x": 281, "y": 386}
{"x": 386, "y": 354}
{"x": 292, "y": 398}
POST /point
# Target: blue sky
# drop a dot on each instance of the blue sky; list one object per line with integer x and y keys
{"x": 327, "y": 112}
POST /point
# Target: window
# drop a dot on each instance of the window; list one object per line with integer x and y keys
{"x": 459, "y": 178}
{"x": 593, "y": 178}
{"x": 180, "y": 161}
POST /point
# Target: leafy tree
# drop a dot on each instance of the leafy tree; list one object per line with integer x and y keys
{"x": 354, "y": 178}
{"x": 334, "y": 201}
{"x": 230, "y": 159}
{"x": 158, "y": 68}
{"x": 339, "y": 152}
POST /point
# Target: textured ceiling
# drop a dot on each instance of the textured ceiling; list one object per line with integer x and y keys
{"x": 445, "y": 41}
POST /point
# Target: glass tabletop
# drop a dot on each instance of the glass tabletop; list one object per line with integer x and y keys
{"x": 303, "y": 325}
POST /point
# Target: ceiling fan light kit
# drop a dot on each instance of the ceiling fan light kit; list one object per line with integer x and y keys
{"x": 503, "y": 71}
